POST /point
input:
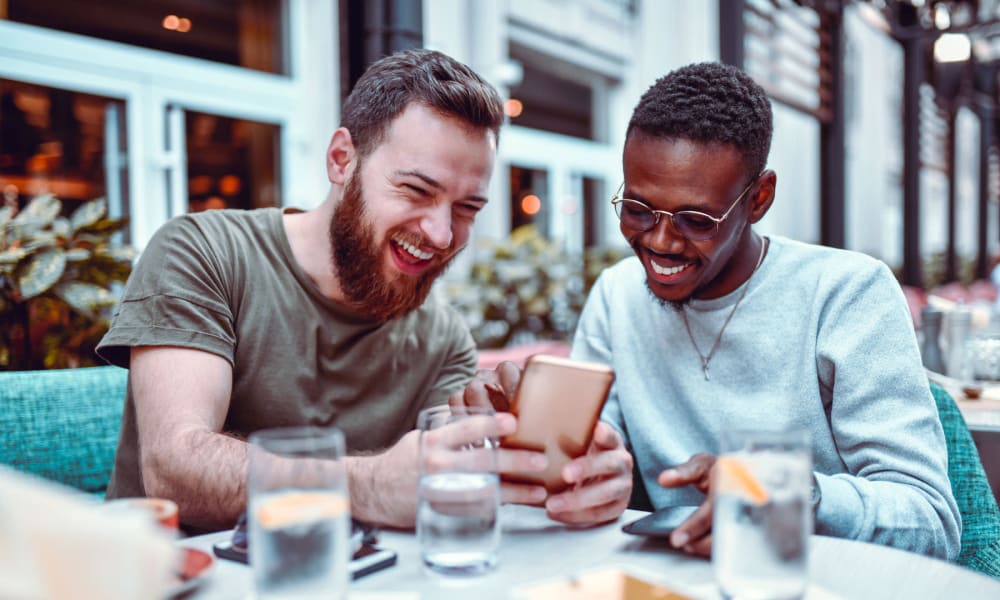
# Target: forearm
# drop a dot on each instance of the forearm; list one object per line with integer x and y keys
{"x": 204, "y": 473}
{"x": 908, "y": 516}
{"x": 383, "y": 486}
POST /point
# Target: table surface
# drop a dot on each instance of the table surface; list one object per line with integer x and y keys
{"x": 535, "y": 549}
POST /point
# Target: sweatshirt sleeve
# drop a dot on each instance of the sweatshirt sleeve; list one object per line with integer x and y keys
{"x": 884, "y": 421}
{"x": 591, "y": 343}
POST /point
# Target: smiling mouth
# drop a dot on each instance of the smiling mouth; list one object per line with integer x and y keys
{"x": 410, "y": 251}
{"x": 668, "y": 271}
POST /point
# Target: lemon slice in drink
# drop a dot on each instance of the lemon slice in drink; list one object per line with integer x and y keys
{"x": 735, "y": 477}
{"x": 300, "y": 508}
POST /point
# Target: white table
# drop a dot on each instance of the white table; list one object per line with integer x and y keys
{"x": 535, "y": 549}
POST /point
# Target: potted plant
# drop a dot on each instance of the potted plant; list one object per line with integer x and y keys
{"x": 57, "y": 276}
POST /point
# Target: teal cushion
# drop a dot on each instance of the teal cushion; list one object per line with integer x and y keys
{"x": 980, "y": 515}
{"x": 63, "y": 424}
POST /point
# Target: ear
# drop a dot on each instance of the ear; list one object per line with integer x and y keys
{"x": 340, "y": 156}
{"x": 762, "y": 196}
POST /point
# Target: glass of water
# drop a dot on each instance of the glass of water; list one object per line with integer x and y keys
{"x": 762, "y": 517}
{"x": 298, "y": 513}
{"x": 459, "y": 493}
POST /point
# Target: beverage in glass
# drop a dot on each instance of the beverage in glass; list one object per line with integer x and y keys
{"x": 458, "y": 501}
{"x": 762, "y": 518}
{"x": 298, "y": 513}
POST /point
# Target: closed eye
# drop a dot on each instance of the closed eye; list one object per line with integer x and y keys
{"x": 469, "y": 209}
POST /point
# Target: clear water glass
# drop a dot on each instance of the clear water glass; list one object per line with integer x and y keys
{"x": 458, "y": 525}
{"x": 298, "y": 513}
{"x": 762, "y": 516}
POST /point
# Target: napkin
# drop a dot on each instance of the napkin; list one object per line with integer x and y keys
{"x": 56, "y": 543}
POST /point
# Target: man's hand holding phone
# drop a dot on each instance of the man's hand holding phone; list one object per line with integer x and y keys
{"x": 595, "y": 487}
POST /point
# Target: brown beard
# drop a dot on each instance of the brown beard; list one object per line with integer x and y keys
{"x": 358, "y": 262}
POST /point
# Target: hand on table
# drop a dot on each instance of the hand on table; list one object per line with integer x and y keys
{"x": 601, "y": 479}
{"x": 694, "y": 535}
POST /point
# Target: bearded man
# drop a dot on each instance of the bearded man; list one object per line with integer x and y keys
{"x": 234, "y": 321}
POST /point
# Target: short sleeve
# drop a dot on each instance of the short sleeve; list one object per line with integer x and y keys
{"x": 178, "y": 295}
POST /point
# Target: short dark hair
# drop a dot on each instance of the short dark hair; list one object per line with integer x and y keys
{"x": 710, "y": 103}
{"x": 427, "y": 77}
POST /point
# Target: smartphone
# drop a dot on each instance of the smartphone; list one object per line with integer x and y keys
{"x": 557, "y": 404}
{"x": 368, "y": 558}
{"x": 660, "y": 523}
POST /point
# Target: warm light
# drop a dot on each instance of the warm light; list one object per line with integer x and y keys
{"x": 531, "y": 204}
{"x": 175, "y": 23}
{"x": 952, "y": 47}
{"x": 200, "y": 185}
{"x": 513, "y": 108}
{"x": 230, "y": 185}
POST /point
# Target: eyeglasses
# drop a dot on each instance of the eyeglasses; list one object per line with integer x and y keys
{"x": 695, "y": 226}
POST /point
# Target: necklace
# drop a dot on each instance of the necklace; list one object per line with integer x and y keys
{"x": 715, "y": 346}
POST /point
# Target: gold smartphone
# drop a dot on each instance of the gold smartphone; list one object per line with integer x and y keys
{"x": 557, "y": 404}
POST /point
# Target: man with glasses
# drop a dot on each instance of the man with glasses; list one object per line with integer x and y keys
{"x": 712, "y": 326}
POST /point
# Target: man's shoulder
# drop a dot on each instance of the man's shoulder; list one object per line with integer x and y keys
{"x": 227, "y": 220}
{"x": 804, "y": 257}
{"x": 218, "y": 231}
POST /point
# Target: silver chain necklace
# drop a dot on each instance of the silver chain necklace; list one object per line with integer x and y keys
{"x": 715, "y": 346}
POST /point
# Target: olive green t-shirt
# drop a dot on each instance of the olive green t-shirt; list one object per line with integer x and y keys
{"x": 226, "y": 282}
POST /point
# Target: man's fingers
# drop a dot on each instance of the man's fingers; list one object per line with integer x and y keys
{"x": 594, "y": 496}
{"x": 508, "y": 376}
{"x": 695, "y": 471}
{"x": 521, "y": 493}
{"x": 696, "y": 527}
{"x": 474, "y": 394}
{"x": 701, "y": 547}
{"x": 607, "y": 463}
{"x": 606, "y": 437}
{"x": 471, "y": 430}
{"x": 590, "y": 515}
{"x": 520, "y": 461}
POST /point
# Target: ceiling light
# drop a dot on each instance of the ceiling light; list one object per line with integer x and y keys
{"x": 952, "y": 47}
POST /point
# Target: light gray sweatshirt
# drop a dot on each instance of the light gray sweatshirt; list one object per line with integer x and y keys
{"x": 822, "y": 341}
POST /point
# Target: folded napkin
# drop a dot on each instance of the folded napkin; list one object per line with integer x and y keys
{"x": 56, "y": 543}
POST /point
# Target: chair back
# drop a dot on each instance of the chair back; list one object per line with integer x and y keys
{"x": 63, "y": 424}
{"x": 980, "y": 515}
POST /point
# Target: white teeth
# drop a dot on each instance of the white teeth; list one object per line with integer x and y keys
{"x": 413, "y": 250}
{"x": 668, "y": 270}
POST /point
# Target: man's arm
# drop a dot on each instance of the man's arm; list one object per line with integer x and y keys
{"x": 181, "y": 399}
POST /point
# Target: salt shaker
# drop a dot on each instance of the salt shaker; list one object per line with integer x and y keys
{"x": 959, "y": 330}
{"x": 930, "y": 350}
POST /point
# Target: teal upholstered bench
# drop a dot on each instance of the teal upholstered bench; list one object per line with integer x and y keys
{"x": 980, "y": 514}
{"x": 63, "y": 424}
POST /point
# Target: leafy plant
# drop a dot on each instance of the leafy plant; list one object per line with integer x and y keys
{"x": 525, "y": 289}
{"x": 56, "y": 280}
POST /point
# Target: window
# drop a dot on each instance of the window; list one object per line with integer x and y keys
{"x": 246, "y": 33}
{"x": 62, "y": 142}
{"x": 528, "y": 199}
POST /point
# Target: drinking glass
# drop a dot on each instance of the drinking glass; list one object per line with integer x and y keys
{"x": 459, "y": 492}
{"x": 298, "y": 513}
{"x": 762, "y": 517}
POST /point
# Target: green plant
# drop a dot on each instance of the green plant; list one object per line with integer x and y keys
{"x": 526, "y": 288}
{"x": 56, "y": 280}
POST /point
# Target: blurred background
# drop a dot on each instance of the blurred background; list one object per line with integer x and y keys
{"x": 885, "y": 121}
